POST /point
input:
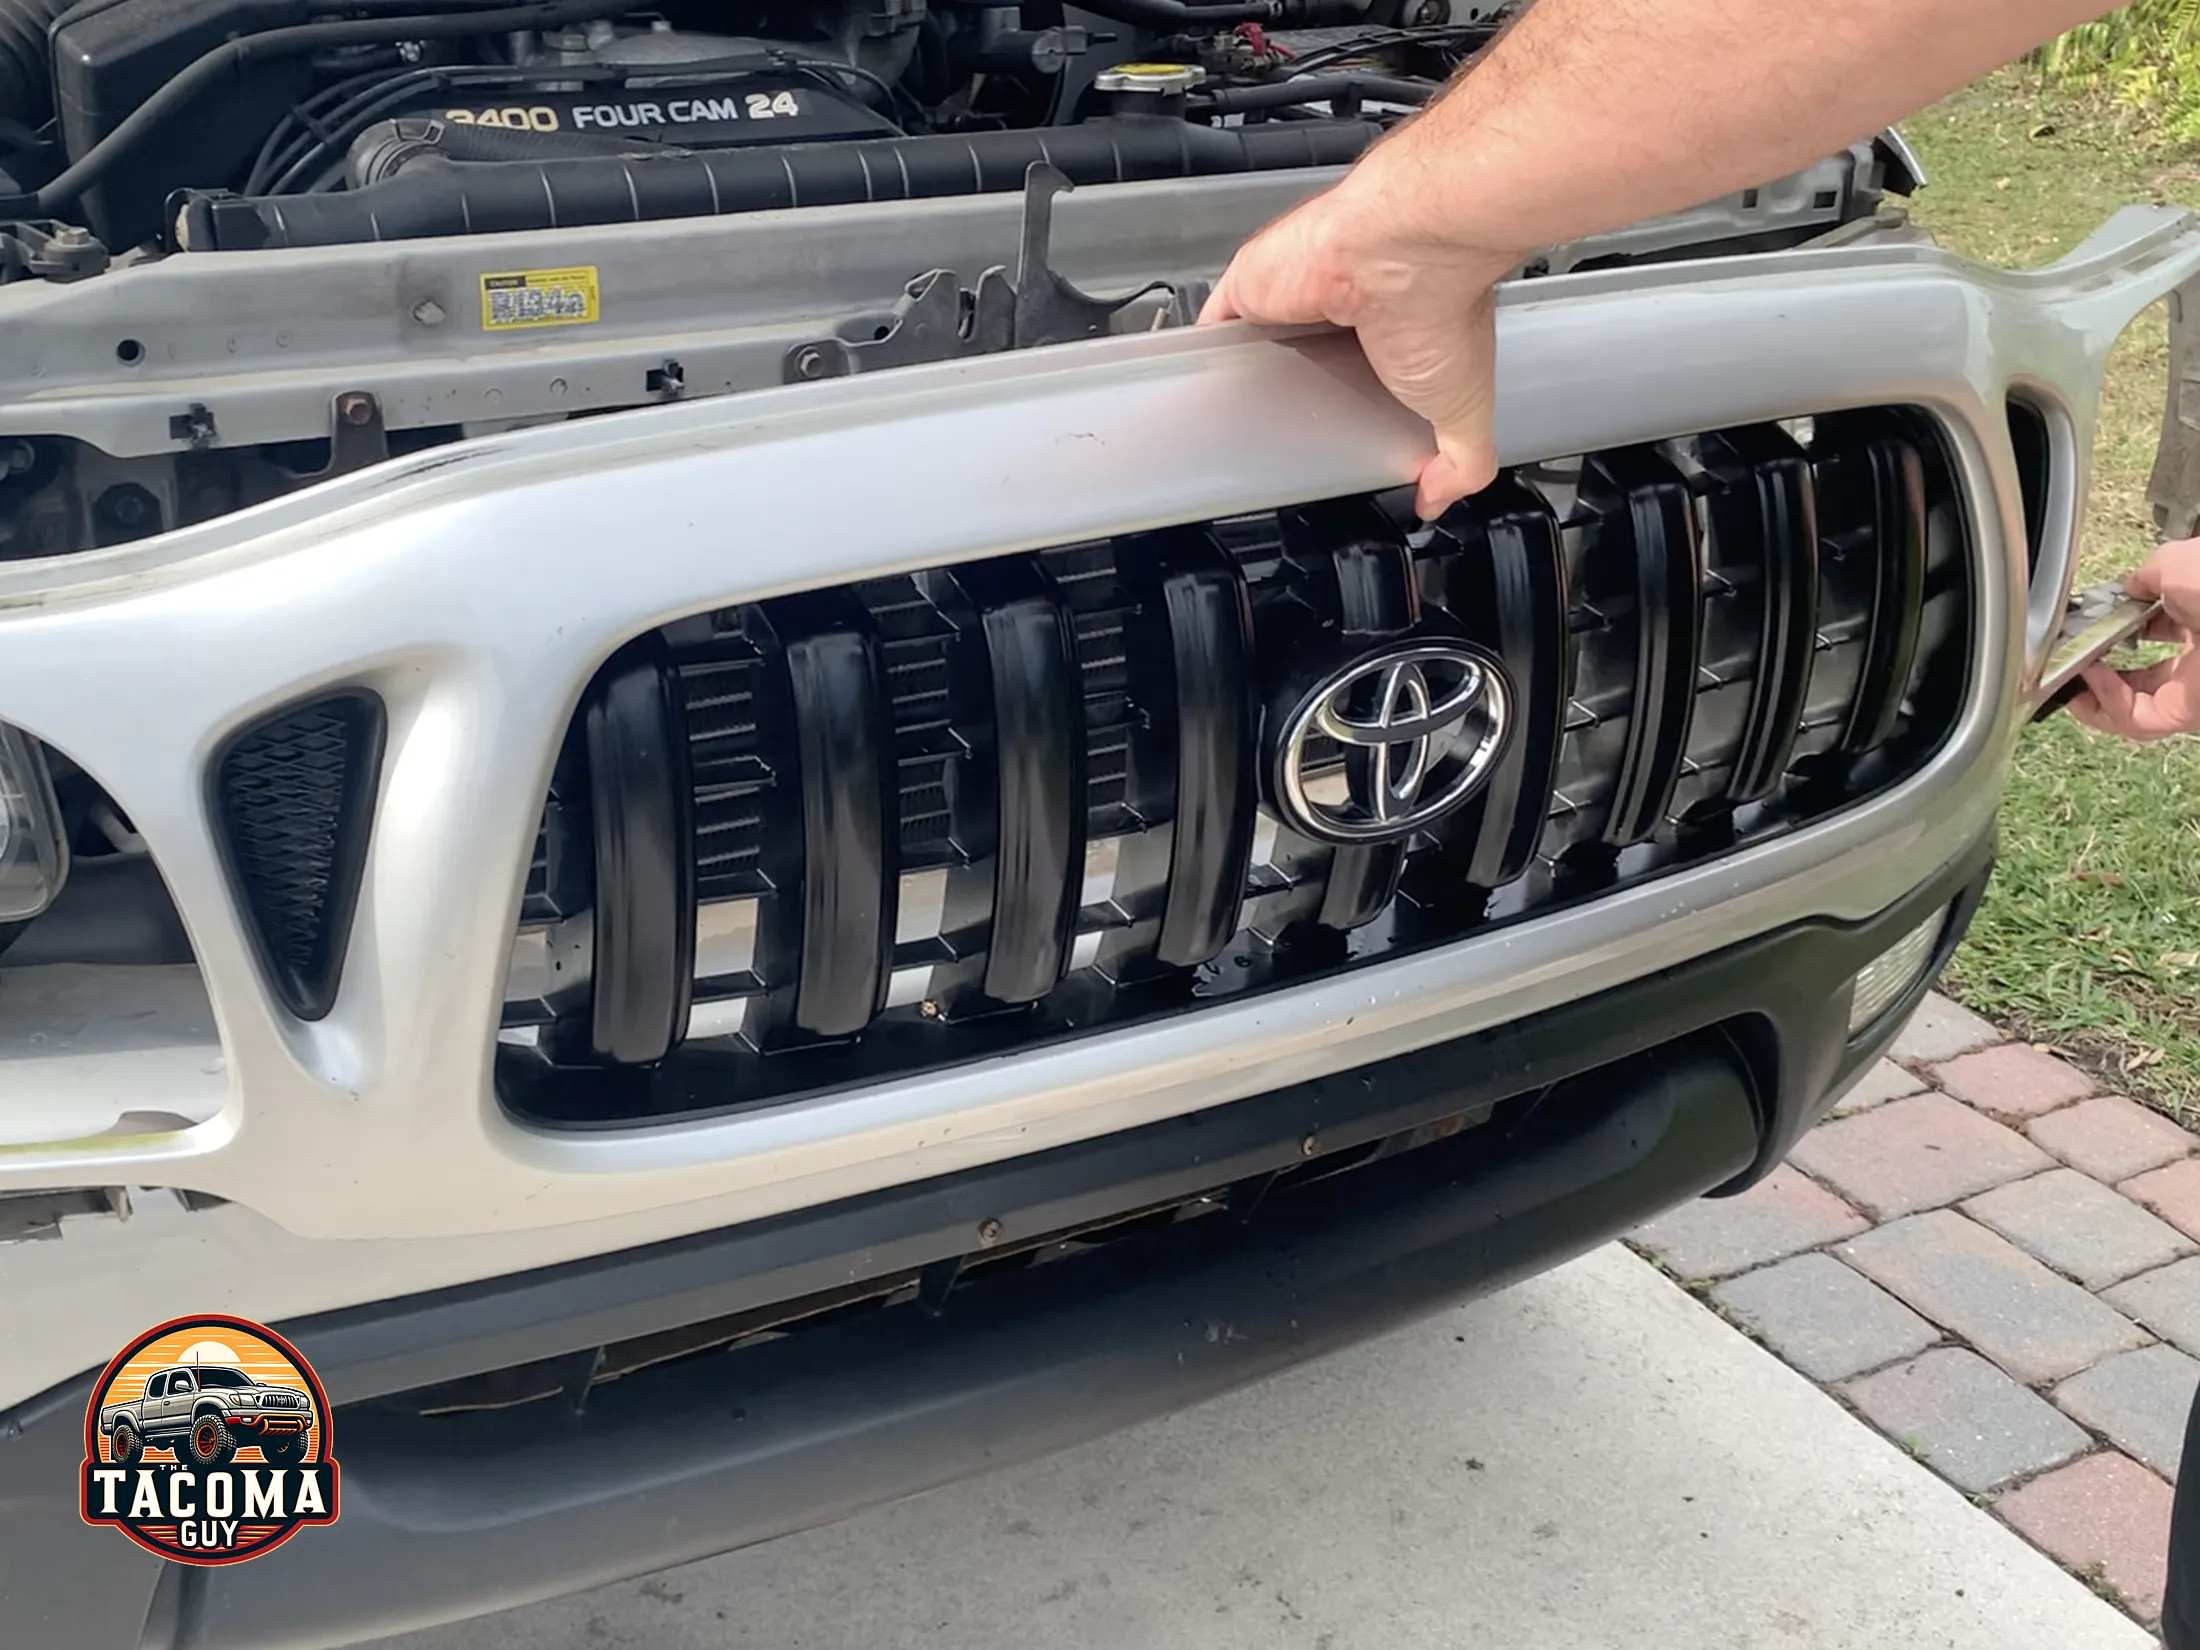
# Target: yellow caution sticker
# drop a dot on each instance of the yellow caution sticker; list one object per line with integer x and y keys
{"x": 539, "y": 298}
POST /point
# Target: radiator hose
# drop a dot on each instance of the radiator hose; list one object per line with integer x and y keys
{"x": 424, "y": 190}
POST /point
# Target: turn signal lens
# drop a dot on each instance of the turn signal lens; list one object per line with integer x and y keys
{"x": 1887, "y": 976}
{"x": 34, "y": 853}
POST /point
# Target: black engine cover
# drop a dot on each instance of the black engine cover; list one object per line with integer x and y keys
{"x": 691, "y": 111}
{"x": 111, "y": 55}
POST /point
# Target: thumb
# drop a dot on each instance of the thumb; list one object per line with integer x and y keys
{"x": 1459, "y": 468}
{"x": 1221, "y": 304}
{"x": 1439, "y": 358}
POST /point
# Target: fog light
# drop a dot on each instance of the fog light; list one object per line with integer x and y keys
{"x": 34, "y": 853}
{"x": 1887, "y": 976}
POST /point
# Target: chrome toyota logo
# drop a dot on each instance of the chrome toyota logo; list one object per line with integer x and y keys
{"x": 1394, "y": 740}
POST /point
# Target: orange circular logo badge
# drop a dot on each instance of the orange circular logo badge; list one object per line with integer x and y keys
{"x": 207, "y": 1441}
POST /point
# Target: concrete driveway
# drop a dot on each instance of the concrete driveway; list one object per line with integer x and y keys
{"x": 1591, "y": 1460}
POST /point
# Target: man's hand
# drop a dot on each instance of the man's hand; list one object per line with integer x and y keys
{"x": 1586, "y": 115}
{"x": 2161, "y": 699}
{"x": 1425, "y": 313}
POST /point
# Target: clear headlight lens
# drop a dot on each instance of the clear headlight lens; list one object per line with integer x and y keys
{"x": 34, "y": 853}
{"x": 1887, "y": 976}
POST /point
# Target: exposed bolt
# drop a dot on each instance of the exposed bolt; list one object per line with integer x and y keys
{"x": 1310, "y": 1145}
{"x": 810, "y": 362}
{"x": 929, "y": 1009}
{"x": 70, "y": 234}
{"x": 355, "y": 408}
{"x": 989, "y": 1232}
{"x": 428, "y": 313}
{"x": 1431, "y": 12}
{"x": 410, "y": 51}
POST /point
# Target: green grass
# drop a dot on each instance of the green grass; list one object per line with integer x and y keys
{"x": 2146, "y": 56}
{"x": 2090, "y": 937}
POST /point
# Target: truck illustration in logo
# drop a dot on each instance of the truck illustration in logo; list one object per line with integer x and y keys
{"x": 207, "y": 1441}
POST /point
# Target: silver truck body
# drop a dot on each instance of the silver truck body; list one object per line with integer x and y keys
{"x": 281, "y": 1168}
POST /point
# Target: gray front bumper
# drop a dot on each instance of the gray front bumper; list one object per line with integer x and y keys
{"x": 1649, "y": 1099}
{"x": 477, "y": 588}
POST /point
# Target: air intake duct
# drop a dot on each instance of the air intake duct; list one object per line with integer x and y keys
{"x": 424, "y": 192}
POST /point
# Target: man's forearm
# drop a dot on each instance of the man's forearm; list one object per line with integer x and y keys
{"x": 1591, "y": 114}
{"x": 1588, "y": 115}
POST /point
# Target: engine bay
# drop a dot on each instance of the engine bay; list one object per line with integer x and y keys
{"x": 183, "y": 123}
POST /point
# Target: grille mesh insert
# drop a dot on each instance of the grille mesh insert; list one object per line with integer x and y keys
{"x": 293, "y": 802}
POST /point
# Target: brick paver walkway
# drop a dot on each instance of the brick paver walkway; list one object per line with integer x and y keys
{"x": 1998, "y": 1267}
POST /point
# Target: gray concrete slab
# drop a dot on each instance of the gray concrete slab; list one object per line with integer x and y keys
{"x": 1591, "y": 1460}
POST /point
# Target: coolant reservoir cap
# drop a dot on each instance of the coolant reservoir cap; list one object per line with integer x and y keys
{"x": 1158, "y": 79}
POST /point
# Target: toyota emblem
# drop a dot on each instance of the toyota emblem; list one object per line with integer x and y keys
{"x": 1420, "y": 724}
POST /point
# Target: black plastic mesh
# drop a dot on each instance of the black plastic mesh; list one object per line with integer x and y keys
{"x": 294, "y": 798}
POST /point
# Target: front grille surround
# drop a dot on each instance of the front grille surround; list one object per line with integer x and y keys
{"x": 1713, "y": 642}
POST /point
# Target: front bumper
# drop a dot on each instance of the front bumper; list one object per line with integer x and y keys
{"x": 1647, "y": 1096}
{"x": 477, "y": 589}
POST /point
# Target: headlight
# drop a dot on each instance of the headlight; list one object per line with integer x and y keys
{"x": 1887, "y": 976}
{"x": 247, "y": 1400}
{"x": 34, "y": 854}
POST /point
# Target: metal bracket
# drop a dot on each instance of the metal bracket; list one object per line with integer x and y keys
{"x": 935, "y": 319}
{"x": 356, "y": 434}
{"x": 40, "y": 249}
{"x": 938, "y": 319}
{"x": 1049, "y": 310}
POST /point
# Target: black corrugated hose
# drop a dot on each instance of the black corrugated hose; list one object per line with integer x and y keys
{"x": 296, "y": 41}
{"x": 423, "y": 191}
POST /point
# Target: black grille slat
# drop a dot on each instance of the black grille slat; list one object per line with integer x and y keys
{"x": 1028, "y": 797}
{"x": 1512, "y": 565}
{"x": 1765, "y": 506}
{"x": 1039, "y": 752}
{"x": 1641, "y": 510}
{"x": 1884, "y": 483}
{"x": 1202, "y": 601}
{"x": 293, "y": 804}
{"x": 1869, "y": 613}
{"x": 642, "y": 802}
{"x": 842, "y": 923}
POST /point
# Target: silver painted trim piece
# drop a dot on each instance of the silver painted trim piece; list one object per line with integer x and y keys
{"x": 477, "y": 587}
